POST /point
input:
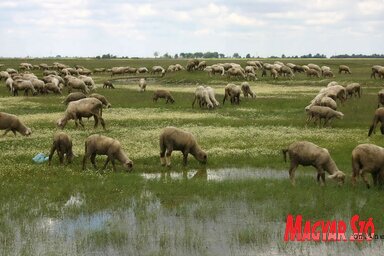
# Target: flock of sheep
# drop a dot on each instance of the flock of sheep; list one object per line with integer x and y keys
{"x": 366, "y": 158}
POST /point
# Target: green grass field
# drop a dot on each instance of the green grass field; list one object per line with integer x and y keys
{"x": 62, "y": 210}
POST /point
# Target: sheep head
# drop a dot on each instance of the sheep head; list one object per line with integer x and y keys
{"x": 28, "y": 132}
{"x": 61, "y": 123}
{"x": 128, "y": 165}
{"x": 339, "y": 176}
{"x": 202, "y": 157}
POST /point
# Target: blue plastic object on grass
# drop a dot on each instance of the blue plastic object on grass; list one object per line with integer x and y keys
{"x": 40, "y": 158}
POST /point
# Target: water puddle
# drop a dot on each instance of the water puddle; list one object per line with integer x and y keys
{"x": 222, "y": 174}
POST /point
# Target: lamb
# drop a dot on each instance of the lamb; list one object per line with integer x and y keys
{"x": 379, "y": 117}
{"x": 246, "y": 89}
{"x": 201, "y": 95}
{"x": 164, "y": 94}
{"x": 172, "y": 138}
{"x": 62, "y": 143}
{"x": 74, "y": 96}
{"x": 319, "y": 112}
{"x": 353, "y": 89}
{"x": 380, "y": 98}
{"x": 368, "y": 158}
{"x": 211, "y": 94}
{"x": 101, "y": 145}
{"x": 142, "y": 84}
{"x": 345, "y": 69}
{"x": 232, "y": 91}
{"x": 309, "y": 154}
{"x": 101, "y": 98}
{"x": 108, "y": 84}
{"x": 82, "y": 108}
{"x": 9, "y": 122}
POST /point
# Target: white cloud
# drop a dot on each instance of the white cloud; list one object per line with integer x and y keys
{"x": 368, "y": 7}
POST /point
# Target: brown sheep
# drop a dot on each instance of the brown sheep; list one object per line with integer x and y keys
{"x": 246, "y": 89}
{"x": 353, "y": 89}
{"x": 345, "y": 69}
{"x": 76, "y": 83}
{"x": 379, "y": 117}
{"x": 375, "y": 70}
{"x": 368, "y": 158}
{"x": 83, "y": 108}
{"x": 25, "y": 85}
{"x": 62, "y": 143}
{"x": 319, "y": 112}
{"x": 74, "y": 96}
{"x": 328, "y": 73}
{"x": 308, "y": 154}
{"x": 380, "y": 98}
{"x": 164, "y": 94}
{"x": 52, "y": 87}
{"x": 9, "y": 122}
{"x": 313, "y": 73}
{"x": 108, "y": 85}
{"x": 172, "y": 138}
{"x": 101, "y": 145}
{"x": 232, "y": 92}
{"x": 101, "y": 98}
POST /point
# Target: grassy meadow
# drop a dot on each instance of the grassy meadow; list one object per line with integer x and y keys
{"x": 62, "y": 210}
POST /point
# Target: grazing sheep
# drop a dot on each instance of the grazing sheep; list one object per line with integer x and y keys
{"x": 108, "y": 84}
{"x": 353, "y": 89}
{"x": 328, "y": 73}
{"x": 308, "y": 154}
{"x": 53, "y": 88}
{"x": 368, "y": 158}
{"x": 101, "y": 145}
{"x": 315, "y": 67}
{"x": 101, "y": 98}
{"x": 192, "y": 64}
{"x": 375, "y": 70}
{"x": 236, "y": 72}
{"x": 202, "y": 65}
{"x": 76, "y": 83}
{"x": 317, "y": 113}
{"x": 251, "y": 76}
{"x": 172, "y": 138}
{"x": 9, "y": 122}
{"x": 74, "y": 96}
{"x": 328, "y": 102}
{"x": 99, "y": 70}
{"x": 380, "y": 72}
{"x": 215, "y": 69}
{"x": 250, "y": 69}
{"x": 379, "y": 117}
{"x": 336, "y": 92}
{"x": 83, "y": 108}
{"x": 25, "y": 85}
{"x": 158, "y": 69}
{"x": 4, "y": 75}
{"x": 164, "y": 94}
{"x": 88, "y": 81}
{"x": 345, "y": 69}
{"x": 202, "y": 96}
{"x": 246, "y": 89}
{"x": 142, "y": 70}
{"x": 313, "y": 73}
{"x": 117, "y": 71}
{"x": 211, "y": 94}
{"x": 287, "y": 71}
{"x": 380, "y": 98}
{"x": 298, "y": 69}
{"x": 232, "y": 92}
{"x": 142, "y": 84}
{"x": 8, "y": 83}
{"x": 62, "y": 143}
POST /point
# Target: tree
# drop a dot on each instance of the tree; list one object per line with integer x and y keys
{"x": 248, "y": 56}
{"x": 236, "y": 55}
{"x": 283, "y": 56}
{"x": 221, "y": 55}
{"x": 156, "y": 54}
{"x": 176, "y": 56}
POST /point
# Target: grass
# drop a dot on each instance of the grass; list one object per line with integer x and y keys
{"x": 166, "y": 216}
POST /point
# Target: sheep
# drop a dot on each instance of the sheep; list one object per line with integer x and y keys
{"x": 309, "y": 154}
{"x": 315, "y": 67}
{"x": 88, "y": 81}
{"x": 249, "y": 69}
{"x": 131, "y": 70}
{"x": 378, "y": 117}
{"x": 298, "y": 69}
{"x": 43, "y": 66}
{"x": 74, "y": 96}
{"x": 99, "y": 70}
{"x": 158, "y": 69}
{"x": 325, "y": 68}
{"x": 101, "y": 98}
{"x": 236, "y": 72}
{"x": 4, "y": 75}
{"x": 353, "y": 89}
{"x": 49, "y": 72}
{"x": 38, "y": 84}
{"x": 368, "y": 158}
{"x": 328, "y": 73}
{"x": 171, "y": 68}
{"x": 8, "y": 83}
{"x": 192, "y": 64}
{"x": 232, "y": 91}
{"x": 336, "y": 92}
{"x": 380, "y": 72}
{"x": 274, "y": 73}
{"x": 142, "y": 84}
{"x": 313, "y": 73}
{"x": 328, "y": 102}
{"x": 375, "y": 70}
{"x": 82, "y": 108}
{"x": 246, "y": 89}
{"x": 201, "y": 65}
{"x": 164, "y": 94}
{"x": 117, "y": 71}
{"x": 212, "y": 70}
{"x": 380, "y": 98}
{"x": 251, "y": 76}
{"x": 142, "y": 70}
{"x": 76, "y": 83}
{"x": 291, "y": 65}
{"x": 25, "y": 85}
{"x": 178, "y": 67}
{"x": 9, "y": 122}
{"x": 62, "y": 143}
{"x": 11, "y": 71}
{"x": 172, "y": 138}
{"x": 108, "y": 84}
{"x": 345, "y": 69}
{"x": 101, "y": 145}
{"x": 319, "y": 112}
{"x": 211, "y": 94}
{"x": 84, "y": 71}
{"x": 202, "y": 96}
{"x": 53, "y": 88}
{"x": 287, "y": 71}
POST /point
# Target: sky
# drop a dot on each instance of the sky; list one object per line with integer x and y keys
{"x": 133, "y": 28}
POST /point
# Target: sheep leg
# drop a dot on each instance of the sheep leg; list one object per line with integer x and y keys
{"x": 6, "y": 131}
{"x": 80, "y": 122}
{"x": 113, "y": 163}
{"x": 93, "y": 160}
{"x": 168, "y": 157}
{"x": 53, "y": 149}
{"x": 60, "y": 153}
{"x": 102, "y": 122}
{"x": 292, "y": 170}
{"x": 106, "y": 163}
{"x": 96, "y": 121}
{"x": 185, "y": 158}
{"x": 86, "y": 155}
{"x": 320, "y": 175}
{"x": 364, "y": 171}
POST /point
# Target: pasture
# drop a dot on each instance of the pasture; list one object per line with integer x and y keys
{"x": 236, "y": 204}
